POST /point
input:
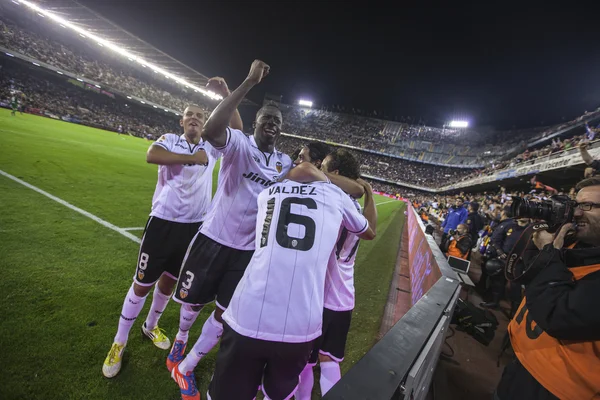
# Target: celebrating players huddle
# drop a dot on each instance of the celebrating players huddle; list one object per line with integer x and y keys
{"x": 275, "y": 249}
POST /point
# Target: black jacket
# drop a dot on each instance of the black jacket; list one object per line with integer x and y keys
{"x": 566, "y": 309}
{"x": 475, "y": 224}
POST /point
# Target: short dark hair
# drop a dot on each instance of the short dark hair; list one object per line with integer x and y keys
{"x": 460, "y": 198}
{"x": 507, "y": 210}
{"x": 592, "y": 181}
{"x": 268, "y": 105}
{"x": 317, "y": 150}
{"x": 474, "y": 206}
{"x": 295, "y": 154}
{"x": 345, "y": 163}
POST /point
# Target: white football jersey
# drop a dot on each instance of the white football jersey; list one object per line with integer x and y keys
{"x": 183, "y": 192}
{"x": 245, "y": 172}
{"x": 339, "y": 282}
{"x": 280, "y": 296}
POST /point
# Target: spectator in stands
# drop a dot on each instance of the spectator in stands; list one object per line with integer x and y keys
{"x": 474, "y": 221}
{"x": 460, "y": 243}
{"x": 457, "y": 215}
{"x": 556, "y": 331}
{"x": 594, "y": 165}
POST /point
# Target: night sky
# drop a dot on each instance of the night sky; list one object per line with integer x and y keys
{"x": 501, "y": 65}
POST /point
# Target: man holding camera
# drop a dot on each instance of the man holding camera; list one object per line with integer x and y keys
{"x": 460, "y": 242}
{"x": 556, "y": 331}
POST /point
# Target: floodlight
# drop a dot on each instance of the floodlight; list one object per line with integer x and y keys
{"x": 305, "y": 103}
{"x": 64, "y": 23}
{"x": 458, "y": 124}
{"x": 36, "y": 64}
{"x": 98, "y": 86}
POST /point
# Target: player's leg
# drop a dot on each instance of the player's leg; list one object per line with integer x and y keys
{"x": 178, "y": 238}
{"x": 212, "y": 330}
{"x": 197, "y": 285}
{"x": 160, "y": 298}
{"x": 285, "y": 362}
{"x": 149, "y": 268}
{"x": 307, "y": 378}
{"x": 239, "y": 368}
{"x": 331, "y": 352}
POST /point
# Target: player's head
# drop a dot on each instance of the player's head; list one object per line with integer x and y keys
{"x": 193, "y": 120}
{"x": 313, "y": 152}
{"x": 341, "y": 162}
{"x": 267, "y": 126}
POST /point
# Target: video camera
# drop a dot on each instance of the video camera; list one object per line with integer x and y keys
{"x": 553, "y": 213}
{"x": 556, "y": 212}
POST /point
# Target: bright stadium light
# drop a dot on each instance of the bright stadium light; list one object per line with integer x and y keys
{"x": 63, "y": 22}
{"x": 98, "y": 86}
{"x": 10, "y": 55}
{"x": 80, "y": 80}
{"x": 58, "y": 72}
{"x": 305, "y": 103}
{"x": 36, "y": 64}
{"x": 458, "y": 124}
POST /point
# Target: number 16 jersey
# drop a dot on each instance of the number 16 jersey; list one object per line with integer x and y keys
{"x": 280, "y": 297}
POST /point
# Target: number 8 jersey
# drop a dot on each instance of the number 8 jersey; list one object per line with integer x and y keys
{"x": 280, "y": 297}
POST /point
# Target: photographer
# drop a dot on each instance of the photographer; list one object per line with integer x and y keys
{"x": 556, "y": 331}
{"x": 460, "y": 242}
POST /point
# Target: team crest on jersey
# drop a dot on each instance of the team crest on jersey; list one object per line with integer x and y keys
{"x": 183, "y": 293}
{"x": 279, "y": 166}
{"x": 162, "y": 138}
{"x": 140, "y": 275}
{"x": 509, "y": 232}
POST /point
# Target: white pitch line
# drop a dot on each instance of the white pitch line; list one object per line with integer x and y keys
{"x": 385, "y": 202}
{"x": 134, "y": 229}
{"x": 72, "y": 207}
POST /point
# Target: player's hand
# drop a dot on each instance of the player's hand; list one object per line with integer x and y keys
{"x": 200, "y": 157}
{"x": 258, "y": 71}
{"x": 219, "y": 86}
{"x": 366, "y": 185}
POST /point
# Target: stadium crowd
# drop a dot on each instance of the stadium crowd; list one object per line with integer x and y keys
{"x": 53, "y": 96}
{"x": 71, "y": 54}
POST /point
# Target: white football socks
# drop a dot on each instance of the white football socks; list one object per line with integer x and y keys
{"x": 330, "y": 375}
{"x": 159, "y": 303}
{"x": 132, "y": 306}
{"x": 211, "y": 332}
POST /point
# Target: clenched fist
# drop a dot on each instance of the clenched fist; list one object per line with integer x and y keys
{"x": 258, "y": 71}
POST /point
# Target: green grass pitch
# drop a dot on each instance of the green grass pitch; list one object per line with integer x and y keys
{"x": 64, "y": 276}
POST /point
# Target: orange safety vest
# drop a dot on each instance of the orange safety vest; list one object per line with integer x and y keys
{"x": 455, "y": 251}
{"x": 568, "y": 369}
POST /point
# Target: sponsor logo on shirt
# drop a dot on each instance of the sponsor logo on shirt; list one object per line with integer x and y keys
{"x": 254, "y": 177}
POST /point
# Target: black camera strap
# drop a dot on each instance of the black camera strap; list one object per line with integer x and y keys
{"x": 515, "y": 265}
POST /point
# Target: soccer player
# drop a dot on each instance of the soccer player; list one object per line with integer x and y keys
{"x": 220, "y": 252}
{"x": 181, "y": 199}
{"x": 14, "y": 105}
{"x": 277, "y": 309}
{"x": 329, "y": 348}
{"x": 315, "y": 153}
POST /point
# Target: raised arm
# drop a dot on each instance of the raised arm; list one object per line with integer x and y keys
{"x": 369, "y": 211}
{"x": 215, "y": 128}
{"x": 161, "y": 156}
{"x": 587, "y": 158}
{"x": 350, "y": 186}
{"x": 218, "y": 85}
